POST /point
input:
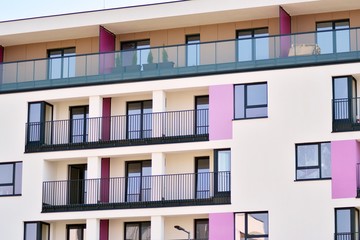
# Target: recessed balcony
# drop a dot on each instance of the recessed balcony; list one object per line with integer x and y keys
{"x": 247, "y": 54}
{"x": 188, "y": 189}
{"x": 346, "y": 114}
{"x": 117, "y": 131}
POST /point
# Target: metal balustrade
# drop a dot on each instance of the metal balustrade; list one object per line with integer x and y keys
{"x": 186, "y": 189}
{"x": 347, "y": 236}
{"x": 126, "y": 130}
{"x": 346, "y": 114}
{"x": 266, "y": 52}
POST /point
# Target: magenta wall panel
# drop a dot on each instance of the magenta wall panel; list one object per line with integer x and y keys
{"x": 285, "y": 28}
{"x": 105, "y": 175}
{"x": 104, "y": 230}
{"x": 344, "y": 158}
{"x": 106, "y": 46}
{"x": 221, "y": 226}
{"x": 221, "y": 107}
{"x": 106, "y": 114}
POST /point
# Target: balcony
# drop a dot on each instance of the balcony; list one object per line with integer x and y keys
{"x": 346, "y": 114}
{"x": 189, "y": 189}
{"x": 117, "y": 131}
{"x": 300, "y": 49}
{"x": 347, "y": 236}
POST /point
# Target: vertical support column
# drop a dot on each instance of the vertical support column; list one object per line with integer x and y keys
{"x": 92, "y": 229}
{"x": 106, "y": 119}
{"x": 104, "y": 229}
{"x": 105, "y": 181}
{"x": 94, "y": 124}
{"x": 93, "y": 172}
{"x": 159, "y": 119}
{"x": 158, "y": 169}
{"x": 106, "y": 47}
{"x": 157, "y": 227}
{"x": 285, "y": 28}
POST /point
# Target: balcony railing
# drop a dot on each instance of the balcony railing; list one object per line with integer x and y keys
{"x": 347, "y": 236}
{"x": 126, "y": 130}
{"x": 137, "y": 192}
{"x": 267, "y": 52}
{"x": 346, "y": 114}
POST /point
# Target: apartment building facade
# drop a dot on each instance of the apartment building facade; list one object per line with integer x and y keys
{"x": 194, "y": 119}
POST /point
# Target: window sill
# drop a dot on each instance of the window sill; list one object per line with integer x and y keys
{"x": 14, "y": 195}
{"x": 311, "y": 179}
{"x": 239, "y": 119}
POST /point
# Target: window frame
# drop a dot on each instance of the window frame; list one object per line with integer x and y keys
{"x": 85, "y": 127}
{"x": 189, "y": 42}
{"x": 199, "y": 193}
{"x": 311, "y": 167}
{"x": 246, "y": 106}
{"x": 143, "y": 130}
{"x": 253, "y": 39}
{"x": 216, "y": 170}
{"x": 199, "y": 112}
{"x": 62, "y": 50}
{"x": 14, "y": 179}
{"x": 82, "y": 227}
{"x": 333, "y": 31}
{"x": 203, "y": 220}
{"x": 139, "y": 224}
{"x": 354, "y": 212}
{"x": 43, "y": 123}
{"x": 247, "y": 236}
{"x": 39, "y": 226}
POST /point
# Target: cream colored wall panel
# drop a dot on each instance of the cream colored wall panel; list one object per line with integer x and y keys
{"x": 185, "y": 162}
{"x": 226, "y": 31}
{"x": 158, "y": 38}
{"x": 187, "y": 222}
{"x": 176, "y": 36}
{"x": 209, "y": 33}
{"x": 15, "y": 53}
{"x": 63, "y": 108}
{"x": 183, "y": 100}
{"x": 119, "y": 104}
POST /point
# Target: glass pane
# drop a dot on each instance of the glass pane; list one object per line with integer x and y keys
{"x": 45, "y": 231}
{"x": 239, "y": 101}
{"x": 256, "y": 94}
{"x": 308, "y": 173}
{"x": 257, "y": 224}
{"x": 224, "y": 161}
{"x": 307, "y": 155}
{"x": 34, "y": 122}
{"x": 202, "y": 120}
{"x": 203, "y": 178}
{"x": 132, "y": 232}
{"x": 343, "y": 220}
{"x": 30, "y": 231}
{"x": 147, "y": 119}
{"x": 146, "y": 181}
{"x": 261, "y": 44}
{"x": 244, "y": 45}
{"x": 145, "y": 231}
{"x": 240, "y": 226}
{"x": 76, "y": 234}
{"x": 193, "y": 50}
{"x": 342, "y": 36}
{"x": 133, "y": 181}
{"x": 6, "y": 173}
{"x": 202, "y": 229}
{"x": 18, "y": 178}
{"x": 6, "y": 190}
{"x": 256, "y": 112}
{"x": 325, "y": 160}
{"x": 325, "y": 37}
{"x": 341, "y": 88}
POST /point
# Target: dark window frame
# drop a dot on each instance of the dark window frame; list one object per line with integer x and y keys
{"x": 139, "y": 225}
{"x": 333, "y": 29}
{"x": 62, "y": 50}
{"x": 39, "y": 225}
{"x": 189, "y": 43}
{"x": 141, "y": 176}
{"x": 216, "y": 170}
{"x": 82, "y": 227}
{"x": 85, "y": 127}
{"x": 252, "y": 38}
{"x": 196, "y": 126}
{"x": 142, "y": 114}
{"x": 246, "y": 106}
{"x": 353, "y": 220}
{"x": 310, "y": 167}
{"x": 42, "y": 122}
{"x": 203, "y": 220}
{"x": 349, "y": 102}
{"x": 247, "y": 236}
{"x": 14, "y": 180}
{"x": 197, "y": 176}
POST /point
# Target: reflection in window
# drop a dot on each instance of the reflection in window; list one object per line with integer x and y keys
{"x": 251, "y": 226}
{"x": 138, "y": 181}
{"x": 333, "y": 36}
{"x": 138, "y": 231}
{"x": 139, "y": 119}
{"x": 79, "y": 123}
{"x": 201, "y": 228}
{"x": 313, "y": 161}
{"x": 61, "y": 63}
{"x": 36, "y": 231}
{"x": 40, "y": 116}
{"x": 202, "y": 177}
{"x": 136, "y": 52}
{"x": 10, "y": 178}
{"x": 344, "y": 96}
{"x": 76, "y": 232}
{"x": 253, "y": 44}
{"x": 250, "y": 100}
{"x": 192, "y": 50}
{"x": 202, "y": 114}
{"x": 346, "y": 223}
{"x": 223, "y": 165}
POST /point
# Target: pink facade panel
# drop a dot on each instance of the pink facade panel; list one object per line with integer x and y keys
{"x": 285, "y": 28}
{"x": 344, "y": 159}
{"x": 104, "y": 230}
{"x": 106, "y": 46}
{"x": 105, "y": 181}
{"x": 106, "y": 119}
{"x": 221, "y": 106}
{"x": 221, "y": 226}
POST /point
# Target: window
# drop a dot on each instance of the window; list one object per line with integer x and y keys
{"x": 333, "y": 36}
{"x": 79, "y": 116}
{"x": 202, "y": 114}
{"x": 251, "y": 100}
{"x": 253, "y": 44}
{"x": 136, "y": 52}
{"x": 344, "y": 97}
{"x": 36, "y": 231}
{"x": 10, "y": 178}
{"x": 61, "y": 63}
{"x": 40, "y": 116}
{"x": 346, "y": 224}
{"x": 252, "y": 225}
{"x": 137, "y": 231}
{"x": 139, "y": 119}
{"x": 313, "y": 161}
{"x": 76, "y": 232}
{"x": 201, "y": 229}
{"x": 138, "y": 181}
{"x": 192, "y": 50}
{"x": 77, "y": 183}
{"x": 202, "y": 170}
{"x": 222, "y": 170}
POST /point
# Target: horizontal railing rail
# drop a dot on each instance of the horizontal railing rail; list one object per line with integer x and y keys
{"x": 177, "y": 60}
{"x": 127, "y": 191}
{"x": 346, "y": 114}
{"x": 347, "y": 236}
{"x": 169, "y": 126}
